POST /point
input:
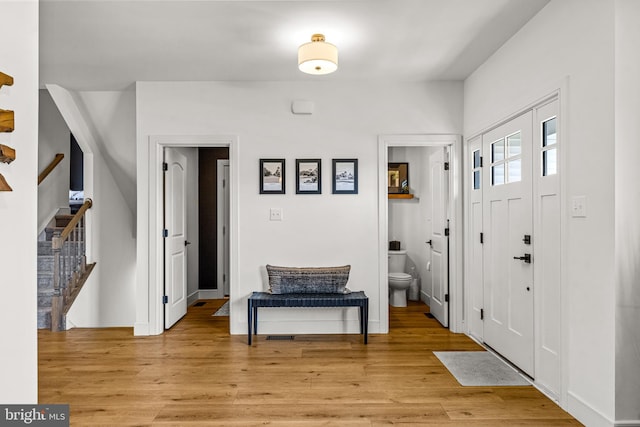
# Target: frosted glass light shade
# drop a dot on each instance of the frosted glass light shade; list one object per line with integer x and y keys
{"x": 317, "y": 57}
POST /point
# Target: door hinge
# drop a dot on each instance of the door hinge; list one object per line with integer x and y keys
{"x": 481, "y": 237}
{"x": 165, "y": 166}
{"x": 480, "y": 161}
{"x": 165, "y": 233}
{"x": 446, "y": 166}
{"x": 482, "y": 314}
{"x": 224, "y": 278}
{"x": 165, "y": 299}
{"x": 224, "y": 183}
{"x": 446, "y": 297}
{"x": 446, "y": 232}
{"x": 224, "y": 230}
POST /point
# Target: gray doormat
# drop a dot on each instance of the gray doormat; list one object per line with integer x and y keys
{"x": 223, "y": 311}
{"x": 479, "y": 368}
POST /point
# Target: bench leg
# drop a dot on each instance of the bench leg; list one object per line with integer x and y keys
{"x": 366, "y": 321}
{"x": 250, "y": 321}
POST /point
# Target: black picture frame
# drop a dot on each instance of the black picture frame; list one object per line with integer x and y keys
{"x": 345, "y": 176}
{"x": 308, "y": 176}
{"x": 272, "y": 176}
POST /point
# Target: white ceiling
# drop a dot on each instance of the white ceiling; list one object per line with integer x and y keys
{"x": 109, "y": 44}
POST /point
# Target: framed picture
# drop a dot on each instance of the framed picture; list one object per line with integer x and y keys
{"x": 345, "y": 176}
{"x": 308, "y": 176}
{"x": 272, "y": 176}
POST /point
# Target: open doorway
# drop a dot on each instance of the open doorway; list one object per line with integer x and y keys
{"x": 448, "y": 215}
{"x": 150, "y": 305}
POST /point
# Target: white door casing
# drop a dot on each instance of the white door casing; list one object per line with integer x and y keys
{"x": 438, "y": 241}
{"x": 175, "y": 224}
{"x": 507, "y": 219}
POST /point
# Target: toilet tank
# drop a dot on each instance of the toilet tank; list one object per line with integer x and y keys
{"x": 397, "y": 261}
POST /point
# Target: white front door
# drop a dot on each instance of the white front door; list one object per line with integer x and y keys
{"x": 175, "y": 226}
{"x": 438, "y": 238}
{"x": 508, "y": 251}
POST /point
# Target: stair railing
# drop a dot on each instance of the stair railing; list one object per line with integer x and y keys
{"x": 70, "y": 269}
{"x": 57, "y": 159}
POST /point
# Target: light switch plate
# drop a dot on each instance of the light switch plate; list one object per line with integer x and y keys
{"x": 579, "y": 207}
{"x": 275, "y": 214}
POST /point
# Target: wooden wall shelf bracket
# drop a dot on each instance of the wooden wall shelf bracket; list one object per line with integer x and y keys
{"x": 7, "y": 154}
{"x": 4, "y": 186}
{"x": 6, "y": 121}
{"x": 5, "y": 79}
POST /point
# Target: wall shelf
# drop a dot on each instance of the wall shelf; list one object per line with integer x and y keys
{"x": 400, "y": 196}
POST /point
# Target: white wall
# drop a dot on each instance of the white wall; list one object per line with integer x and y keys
{"x": 54, "y": 137}
{"x": 18, "y": 209}
{"x": 108, "y": 296}
{"x": 627, "y": 205}
{"x": 571, "y": 38}
{"x": 317, "y": 230}
{"x": 113, "y": 114}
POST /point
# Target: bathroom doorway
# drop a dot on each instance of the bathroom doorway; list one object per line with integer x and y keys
{"x": 431, "y": 206}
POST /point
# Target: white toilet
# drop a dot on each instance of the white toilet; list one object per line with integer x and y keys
{"x": 399, "y": 281}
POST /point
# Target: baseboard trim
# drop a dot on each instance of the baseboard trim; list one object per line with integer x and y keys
{"x": 584, "y": 413}
{"x": 628, "y": 423}
{"x": 308, "y": 327}
{"x": 208, "y": 294}
{"x": 192, "y": 298}
{"x": 141, "y": 329}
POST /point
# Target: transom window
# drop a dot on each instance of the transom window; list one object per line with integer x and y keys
{"x": 506, "y": 159}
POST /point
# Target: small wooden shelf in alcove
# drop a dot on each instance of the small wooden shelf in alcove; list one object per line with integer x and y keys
{"x": 401, "y": 196}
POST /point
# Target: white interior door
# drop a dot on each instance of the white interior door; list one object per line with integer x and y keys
{"x": 438, "y": 239}
{"x": 175, "y": 225}
{"x": 223, "y": 226}
{"x": 507, "y": 220}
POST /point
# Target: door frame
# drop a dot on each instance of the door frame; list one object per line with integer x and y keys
{"x": 221, "y": 207}
{"x": 456, "y": 295}
{"x": 559, "y": 91}
{"x": 149, "y": 249}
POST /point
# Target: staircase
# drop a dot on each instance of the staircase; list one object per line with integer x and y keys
{"x": 62, "y": 268}
{"x": 45, "y": 269}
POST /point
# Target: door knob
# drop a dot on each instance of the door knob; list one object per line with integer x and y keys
{"x": 429, "y": 242}
{"x": 186, "y": 242}
{"x": 526, "y": 258}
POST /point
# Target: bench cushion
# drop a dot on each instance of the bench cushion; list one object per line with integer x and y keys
{"x": 308, "y": 280}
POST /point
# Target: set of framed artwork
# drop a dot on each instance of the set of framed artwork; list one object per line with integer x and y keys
{"x": 344, "y": 178}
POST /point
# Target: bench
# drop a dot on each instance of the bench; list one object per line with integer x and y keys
{"x": 266, "y": 299}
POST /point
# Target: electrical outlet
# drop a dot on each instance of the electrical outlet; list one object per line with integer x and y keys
{"x": 275, "y": 214}
{"x": 579, "y": 207}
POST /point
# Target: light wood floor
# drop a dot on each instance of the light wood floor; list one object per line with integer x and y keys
{"x": 197, "y": 374}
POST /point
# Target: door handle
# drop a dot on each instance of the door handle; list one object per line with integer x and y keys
{"x": 186, "y": 242}
{"x": 526, "y": 258}
{"x": 429, "y": 242}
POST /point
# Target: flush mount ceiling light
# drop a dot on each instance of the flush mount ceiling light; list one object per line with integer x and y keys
{"x": 318, "y": 56}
